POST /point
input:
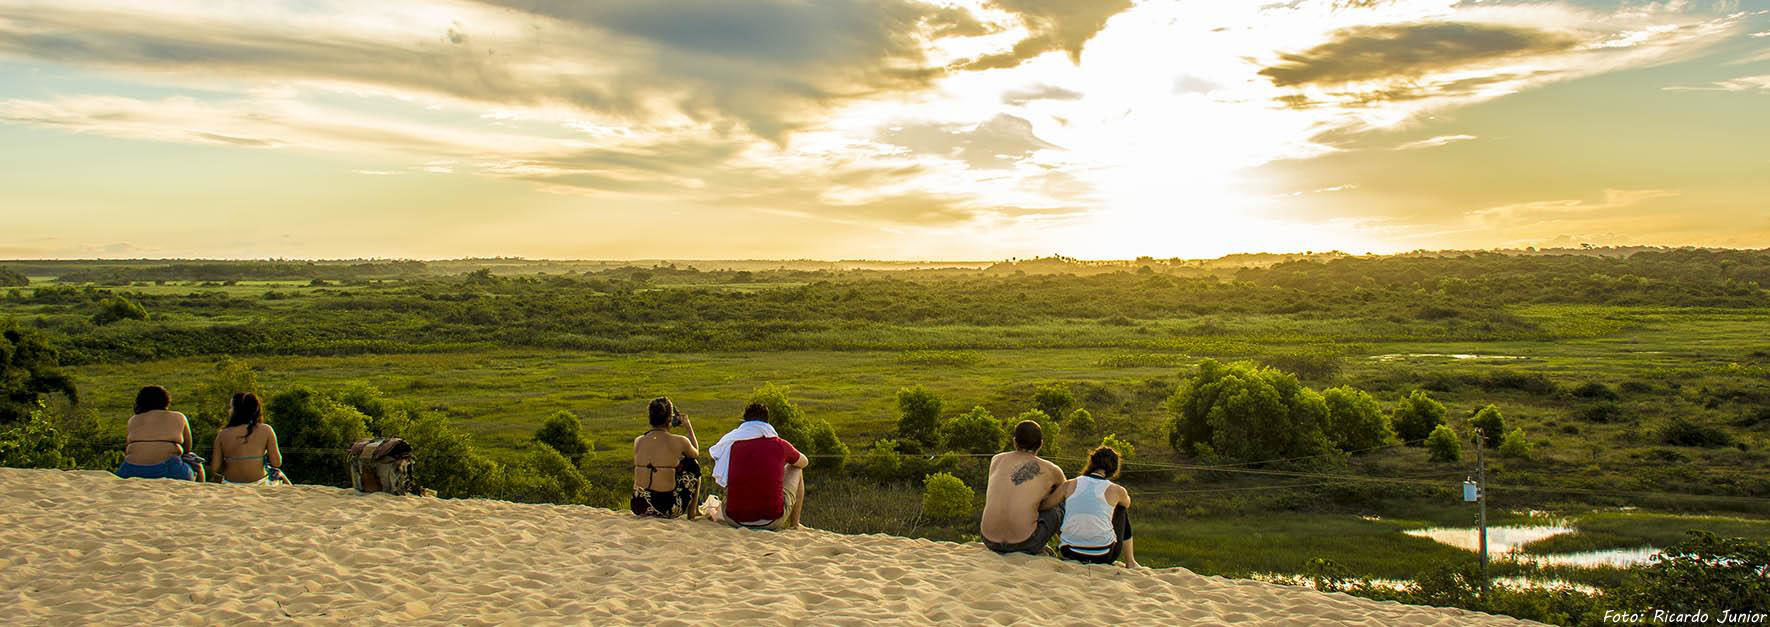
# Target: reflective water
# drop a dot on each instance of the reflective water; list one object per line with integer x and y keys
{"x": 1504, "y": 543}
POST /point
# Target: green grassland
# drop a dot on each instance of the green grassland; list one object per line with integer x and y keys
{"x": 501, "y": 396}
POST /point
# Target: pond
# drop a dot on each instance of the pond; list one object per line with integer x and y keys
{"x": 1506, "y": 542}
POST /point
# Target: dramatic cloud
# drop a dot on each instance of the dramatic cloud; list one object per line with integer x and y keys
{"x": 1051, "y": 26}
{"x": 968, "y": 120}
{"x": 1410, "y": 50}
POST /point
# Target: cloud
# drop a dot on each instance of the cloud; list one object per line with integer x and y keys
{"x": 767, "y": 66}
{"x": 997, "y": 143}
{"x": 1051, "y": 26}
{"x": 1743, "y": 83}
{"x": 1553, "y": 211}
{"x": 1025, "y": 95}
{"x": 1434, "y": 142}
{"x": 1410, "y": 50}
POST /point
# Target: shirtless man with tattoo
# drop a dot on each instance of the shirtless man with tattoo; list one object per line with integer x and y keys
{"x": 1021, "y": 510}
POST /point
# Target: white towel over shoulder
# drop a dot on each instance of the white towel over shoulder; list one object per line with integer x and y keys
{"x": 721, "y": 452}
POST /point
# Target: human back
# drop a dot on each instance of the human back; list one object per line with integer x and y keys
{"x": 1020, "y": 487}
{"x": 246, "y": 449}
{"x": 158, "y": 440}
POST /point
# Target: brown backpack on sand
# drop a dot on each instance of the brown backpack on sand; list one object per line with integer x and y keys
{"x": 383, "y": 465}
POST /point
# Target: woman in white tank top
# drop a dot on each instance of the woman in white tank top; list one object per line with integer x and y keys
{"x": 1096, "y": 513}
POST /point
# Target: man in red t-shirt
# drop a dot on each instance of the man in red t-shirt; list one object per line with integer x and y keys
{"x": 766, "y": 486}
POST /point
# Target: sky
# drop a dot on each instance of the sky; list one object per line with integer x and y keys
{"x": 877, "y": 129}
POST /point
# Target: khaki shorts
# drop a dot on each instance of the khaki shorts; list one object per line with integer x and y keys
{"x": 789, "y": 496}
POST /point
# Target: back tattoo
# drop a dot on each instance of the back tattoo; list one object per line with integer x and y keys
{"x": 1026, "y": 472}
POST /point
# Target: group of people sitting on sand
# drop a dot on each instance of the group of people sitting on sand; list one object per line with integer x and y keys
{"x": 160, "y": 445}
{"x": 1028, "y": 502}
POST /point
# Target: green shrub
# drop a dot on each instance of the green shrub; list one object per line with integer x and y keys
{"x": 1416, "y": 415}
{"x": 1490, "y": 424}
{"x": 29, "y": 370}
{"x": 975, "y": 431}
{"x": 812, "y": 436}
{"x": 1055, "y": 400}
{"x": 1515, "y": 446}
{"x": 879, "y": 462}
{"x": 1355, "y": 421}
{"x": 946, "y": 498}
{"x": 315, "y": 430}
{"x": 33, "y": 442}
{"x": 118, "y": 308}
{"x": 1681, "y": 431}
{"x": 1124, "y": 447}
{"x": 1244, "y": 412}
{"x": 1051, "y": 431}
{"x": 564, "y": 433}
{"x": 1704, "y": 571}
{"x": 444, "y": 459}
{"x": 1595, "y": 390}
{"x": 1080, "y": 422}
{"x": 1444, "y": 445}
{"x": 11, "y": 278}
{"x": 919, "y": 416}
{"x": 1309, "y": 363}
{"x": 1603, "y": 412}
{"x": 545, "y": 476}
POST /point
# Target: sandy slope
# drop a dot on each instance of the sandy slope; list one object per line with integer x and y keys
{"x": 85, "y": 547}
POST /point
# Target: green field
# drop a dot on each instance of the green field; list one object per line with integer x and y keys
{"x": 1596, "y": 385}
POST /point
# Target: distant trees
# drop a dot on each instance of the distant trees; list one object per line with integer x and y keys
{"x": 1245, "y": 412}
{"x": 1416, "y": 415}
{"x": 975, "y": 431}
{"x": 1443, "y": 445}
{"x": 563, "y": 432}
{"x": 11, "y": 278}
{"x": 919, "y": 412}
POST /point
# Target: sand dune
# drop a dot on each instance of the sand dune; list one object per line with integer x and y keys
{"x": 87, "y": 548}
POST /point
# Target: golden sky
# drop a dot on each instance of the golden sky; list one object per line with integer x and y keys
{"x": 895, "y": 129}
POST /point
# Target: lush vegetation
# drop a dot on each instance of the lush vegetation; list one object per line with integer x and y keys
{"x": 1243, "y": 396}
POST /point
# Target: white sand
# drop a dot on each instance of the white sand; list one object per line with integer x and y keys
{"x": 87, "y": 548}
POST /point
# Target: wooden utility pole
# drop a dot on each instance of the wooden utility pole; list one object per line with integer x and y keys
{"x": 1481, "y": 498}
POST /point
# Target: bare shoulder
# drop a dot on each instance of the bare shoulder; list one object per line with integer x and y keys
{"x": 1053, "y": 468}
